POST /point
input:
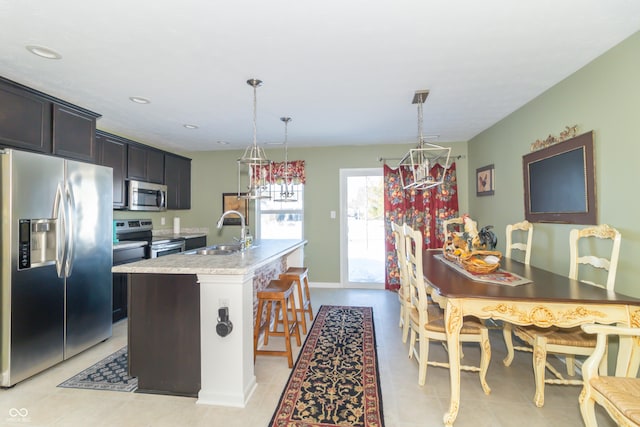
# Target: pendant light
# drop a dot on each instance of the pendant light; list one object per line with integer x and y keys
{"x": 254, "y": 163}
{"x": 287, "y": 192}
{"x": 421, "y": 159}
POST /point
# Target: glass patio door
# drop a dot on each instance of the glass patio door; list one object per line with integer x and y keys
{"x": 362, "y": 228}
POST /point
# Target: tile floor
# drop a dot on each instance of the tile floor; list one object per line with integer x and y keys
{"x": 405, "y": 403}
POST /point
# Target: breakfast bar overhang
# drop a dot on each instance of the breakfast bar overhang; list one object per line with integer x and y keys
{"x": 226, "y": 363}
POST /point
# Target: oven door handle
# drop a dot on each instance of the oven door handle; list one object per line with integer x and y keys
{"x": 165, "y": 246}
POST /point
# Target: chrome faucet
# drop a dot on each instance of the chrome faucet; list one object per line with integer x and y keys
{"x": 243, "y": 228}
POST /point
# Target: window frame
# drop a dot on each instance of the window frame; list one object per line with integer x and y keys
{"x": 259, "y": 211}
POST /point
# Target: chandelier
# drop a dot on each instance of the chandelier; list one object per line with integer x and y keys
{"x": 254, "y": 163}
{"x": 287, "y": 192}
{"x": 419, "y": 161}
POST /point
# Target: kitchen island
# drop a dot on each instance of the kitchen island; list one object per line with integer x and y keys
{"x": 172, "y": 344}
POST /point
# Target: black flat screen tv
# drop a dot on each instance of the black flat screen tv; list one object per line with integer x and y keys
{"x": 559, "y": 182}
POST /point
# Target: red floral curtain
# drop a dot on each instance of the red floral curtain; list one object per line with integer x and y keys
{"x": 421, "y": 209}
{"x": 295, "y": 167}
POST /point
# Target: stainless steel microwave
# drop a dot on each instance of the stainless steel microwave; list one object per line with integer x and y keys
{"x": 146, "y": 196}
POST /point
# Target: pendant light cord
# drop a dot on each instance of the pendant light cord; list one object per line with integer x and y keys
{"x": 255, "y": 117}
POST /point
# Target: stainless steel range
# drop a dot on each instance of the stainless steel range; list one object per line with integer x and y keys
{"x": 141, "y": 230}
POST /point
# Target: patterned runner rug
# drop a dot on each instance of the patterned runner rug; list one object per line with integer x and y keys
{"x": 108, "y": 374}
{"x": 335, "y": 381}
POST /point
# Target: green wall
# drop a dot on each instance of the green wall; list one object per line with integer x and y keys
{"x": 215, "y": 172}
{"x": 603, "y": 96}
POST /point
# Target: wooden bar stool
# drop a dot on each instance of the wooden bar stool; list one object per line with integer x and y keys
{"x": 278, "y": 293}
{"x": 301, "y": 276}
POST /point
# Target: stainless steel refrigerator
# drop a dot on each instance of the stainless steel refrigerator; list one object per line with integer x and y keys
{"x": 56, "y": 258}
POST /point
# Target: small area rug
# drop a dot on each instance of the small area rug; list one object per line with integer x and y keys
{"x": 335, "y": 381}
{"x": 108, "y": 374}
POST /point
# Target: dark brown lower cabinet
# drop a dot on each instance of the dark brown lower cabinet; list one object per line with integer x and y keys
{"x": 195, "y": 243}
{"x": 119, "y": 296}
{"x": 164, "y": 333}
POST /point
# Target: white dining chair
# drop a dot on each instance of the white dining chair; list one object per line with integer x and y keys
{"x": 522, "y": 245}
{"x": 617, "y": 394}
{"x": 571, "y": 342}
{"x": 518, "y": 237}
{"x": 403, "y": 292}
{"x": 426, "y": 321}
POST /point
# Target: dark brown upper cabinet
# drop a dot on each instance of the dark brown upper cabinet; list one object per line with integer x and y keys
{"x": 177, "y": 177}
{"x": 25, "y": 119}
{"x": 34, "y": 121}
{"x": 112, "y": 152}
{"x": 74, "y": 133}
{"x": 145, "y": 164}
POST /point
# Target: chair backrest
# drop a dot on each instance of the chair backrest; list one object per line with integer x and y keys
{"x": 448, "y": 225}
{"x": 399, "y": 240}
{"x": 577, "y": 258}
{"x": 524, "y": 226}
{"x": 415, "y": 275}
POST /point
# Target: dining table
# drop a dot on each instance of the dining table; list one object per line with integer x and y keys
{"x": 546, "y": 299}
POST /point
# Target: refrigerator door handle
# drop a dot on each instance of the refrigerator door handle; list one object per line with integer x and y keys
{"x": 59, "y": 214}
{"x": 70, "y": 206}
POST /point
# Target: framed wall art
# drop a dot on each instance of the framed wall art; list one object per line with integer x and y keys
{"x": 485, "y": 181}
{"x": 230, "y": 201}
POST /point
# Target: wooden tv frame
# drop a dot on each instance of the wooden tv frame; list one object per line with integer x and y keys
{"x": 554, "y": 194}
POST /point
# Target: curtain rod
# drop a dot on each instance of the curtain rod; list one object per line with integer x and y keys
{"x": 384, "y": 159}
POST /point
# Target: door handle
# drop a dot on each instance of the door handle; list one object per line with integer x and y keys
{"x": 62, "y": 241}
{"x": 161, "y": 199}
{"x": 70, "y": 208}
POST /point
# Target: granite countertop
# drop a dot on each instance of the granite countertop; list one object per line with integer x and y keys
{"x": 261, "y": 253}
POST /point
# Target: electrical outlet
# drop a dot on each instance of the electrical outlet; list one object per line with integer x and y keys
{"x": 223, "y": 302}
{"x": 162, "y": 221}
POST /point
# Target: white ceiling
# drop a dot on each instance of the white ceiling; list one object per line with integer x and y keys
{"x": 344, "y": 70}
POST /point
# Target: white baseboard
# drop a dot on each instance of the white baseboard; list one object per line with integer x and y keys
{"x": 332, "y": 285}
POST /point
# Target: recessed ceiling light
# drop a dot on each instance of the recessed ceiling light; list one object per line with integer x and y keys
{"x": 274, "y": 143}
{"x": 222, "y": 142}
{"x": 188, "y": 126}
{"x": 44, "y": 52}
{"x": 139, "y": 100}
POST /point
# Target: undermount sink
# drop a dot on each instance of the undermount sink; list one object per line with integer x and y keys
{"x": 225, "y": 249}
{"x": 228, "y": 247}
{"x": 214, "y": 252}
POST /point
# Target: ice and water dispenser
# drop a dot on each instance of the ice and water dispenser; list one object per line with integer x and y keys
{"x": 36, "y": 242}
